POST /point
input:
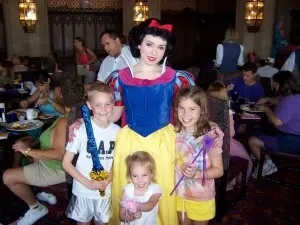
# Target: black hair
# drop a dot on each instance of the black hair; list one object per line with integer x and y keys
{"x": 80, "y": 39}
{"x": 114, "y": 34}
{"x": 207, "y": 78}
{"x": 42, "y": 78}
{"x": 137, "y": 34}
{"x": 250, "y": 66}
{"x": 288, "y": 84}
{"x": 72, "y": 92}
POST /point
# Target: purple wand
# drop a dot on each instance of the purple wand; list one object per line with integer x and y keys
{"x": 207, "y": 144}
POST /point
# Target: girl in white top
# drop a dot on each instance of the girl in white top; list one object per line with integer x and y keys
{"x": 139, "y": 202}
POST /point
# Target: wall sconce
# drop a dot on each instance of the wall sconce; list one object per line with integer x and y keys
{"x": 254, "y": 15}
{"x": 28, "y": 18}
{"x": 140, "y": 11}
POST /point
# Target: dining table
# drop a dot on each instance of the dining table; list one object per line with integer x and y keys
{"x": 9, "y": 135}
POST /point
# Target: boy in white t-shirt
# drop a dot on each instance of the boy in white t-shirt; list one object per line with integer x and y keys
{"x": 86, "y": 202}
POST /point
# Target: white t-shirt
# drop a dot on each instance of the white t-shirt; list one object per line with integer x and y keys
{"x": 105, "y": 139}
{"x": 148, "y": 218}
{"x": 267, "y": 71}
{"x": 111, "y": 63}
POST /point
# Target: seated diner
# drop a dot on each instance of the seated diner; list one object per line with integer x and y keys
{"x": 285, "y": 118}
{"x": 246, "y": 88}
{"x": 47, "y": 96}
{"x": 46, "y": 169}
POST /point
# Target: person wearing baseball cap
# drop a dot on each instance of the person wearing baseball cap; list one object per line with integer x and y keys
{"x": 267, "y": 70}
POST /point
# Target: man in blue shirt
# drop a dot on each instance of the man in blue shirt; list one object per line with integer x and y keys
{"x": 246, "y": 88}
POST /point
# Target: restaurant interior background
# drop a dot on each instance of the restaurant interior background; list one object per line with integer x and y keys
{"x": 199, "y": 26}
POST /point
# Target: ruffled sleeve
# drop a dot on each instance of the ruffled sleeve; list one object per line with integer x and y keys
{"x": 153, "y": 189}
{"x": 113, "y": 81}
{"x": 183, "y": 79}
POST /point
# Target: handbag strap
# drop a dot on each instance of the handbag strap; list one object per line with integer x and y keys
{"x": 87, "y": 53}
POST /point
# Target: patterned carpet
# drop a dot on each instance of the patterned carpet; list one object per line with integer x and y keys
{"x": 266, "y": 204}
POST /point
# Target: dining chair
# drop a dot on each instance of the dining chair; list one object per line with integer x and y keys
{"x": 286, "y": 164}
{"x": 233, "y": 166}
{"x": 266, "y": 82}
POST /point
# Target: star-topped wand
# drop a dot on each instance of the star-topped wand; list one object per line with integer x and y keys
{"x": 98, "y": 173}
{"x": 207, "y": 144}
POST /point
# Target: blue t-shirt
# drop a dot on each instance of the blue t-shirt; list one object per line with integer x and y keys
{"x": 251, "y": 92}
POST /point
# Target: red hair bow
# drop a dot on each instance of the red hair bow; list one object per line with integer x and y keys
{"x": 167, "y": 27}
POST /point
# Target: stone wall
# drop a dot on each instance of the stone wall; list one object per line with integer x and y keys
{"x": 18, "y": 42}
{"x": 177, "y": 5}
{"x": 261, "y": 42}
{"x": 95, "y": 4}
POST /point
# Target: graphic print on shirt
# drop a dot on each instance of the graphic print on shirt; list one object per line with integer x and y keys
{"x": 104, "y": 154}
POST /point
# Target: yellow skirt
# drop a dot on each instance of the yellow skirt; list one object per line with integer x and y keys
{"x": 161, "y": 145}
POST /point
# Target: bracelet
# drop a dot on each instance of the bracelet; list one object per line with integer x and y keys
{"x": 26, "y": 151}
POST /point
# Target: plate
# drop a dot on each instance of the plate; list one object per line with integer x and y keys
{"x": 25, "y": 125}
{"x": 21, "y": 111}
{"x": 22, "y": 91}
{"x": 43, "y": 116}
{"x": 246, "y": 108}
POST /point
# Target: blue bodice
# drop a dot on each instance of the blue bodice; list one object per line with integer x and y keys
{"x": 148, "y": 108}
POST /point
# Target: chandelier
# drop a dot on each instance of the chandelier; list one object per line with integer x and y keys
{"x": 254, "y": 14}
{"x": 140, "y": 11}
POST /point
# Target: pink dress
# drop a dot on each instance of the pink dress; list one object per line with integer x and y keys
{"x": 237, "y": 149}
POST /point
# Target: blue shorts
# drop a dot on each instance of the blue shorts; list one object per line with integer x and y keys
{"x": 286, "y": 143}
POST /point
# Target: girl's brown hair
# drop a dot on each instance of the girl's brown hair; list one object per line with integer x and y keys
{"x": 198, "y": 96}
{"x": 144, "y": 159}
{"x": 217, "y": 90}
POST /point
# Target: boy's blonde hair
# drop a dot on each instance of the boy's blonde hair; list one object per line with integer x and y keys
{"x": 217, "y": 90}
{"x": 144, "y": 159}
{"x": 99, "y": 87}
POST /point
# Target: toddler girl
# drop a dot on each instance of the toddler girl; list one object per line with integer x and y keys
{"x": 139, "y": 202}
{"x": 198, "y": 157}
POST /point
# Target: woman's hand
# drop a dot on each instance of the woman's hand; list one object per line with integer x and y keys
{"x": 24, "y": 104}
{"x": 218, "y": 135}
{"x": 42, "y": 101}
{"x": 73, "y": 127}
{"x": 263, "y": 100}
{"x": 189, "y": 171}
{"x": 20, "y": 146}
